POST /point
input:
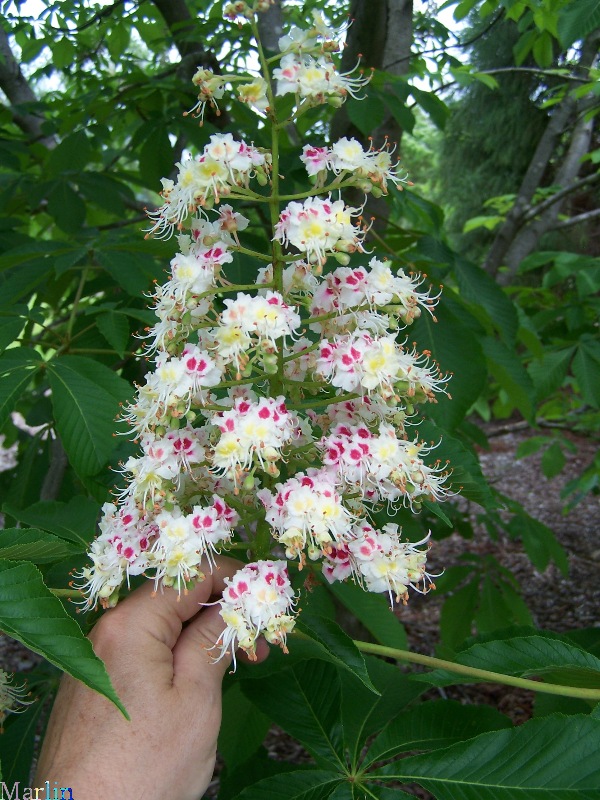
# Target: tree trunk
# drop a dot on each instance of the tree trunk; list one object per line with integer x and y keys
{"x": 528, "y": 237}
{"x": 381, "y": 34}
{"x": 14, "y": 85}
{"x": 558, "y": 123}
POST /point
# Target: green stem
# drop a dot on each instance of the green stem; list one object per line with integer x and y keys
{"x": 99, "y": 351}
{"x": 253, "y": 253}
{"x": 327, "y": 401}
{"x": 66, "y": 593}
{"x": 78, "y": 294}
{"x": 314, "y": 191}
{"x": 478, "y": 674}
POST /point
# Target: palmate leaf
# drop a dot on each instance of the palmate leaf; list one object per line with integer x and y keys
{"x": 339, "y": 645}
{"x": 85, "y": 398}
{"x": 30, "y": 613}
{"x": 555, "y": 660}
{"x": 362, "y": 714}
{"x": 18, "y": 544}
{"x": 374, "y": 611}
{"x": 302, "y": 785}
{"x": 554, "y": 758}
{"x": 454, "y": 347}
{"x": 431, "y": 726}
{"x": 17, "y": 367}
{"x": 74, "y": 521}
{"x": 307, "y": 707}
{"x": 355, "y": 791}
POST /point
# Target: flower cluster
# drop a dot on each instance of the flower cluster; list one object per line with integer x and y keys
{"x": 226, "y": 165}
{"x": 8, "y": 455}
{"x": 253, "y": 433}
{"x": 257, "y": 601}
{"x": 370, "y": 169}
{"x": 315, "y": 80}
{"x": 318, "y": 228}
{"x": 171, "y": 544}
{"x": 307, "y": 510}
{"x": 381, "y": 466}
{"x": 379, "y": 561}
{"x": 12, "y": 698}
{"x": 282, "y": 412}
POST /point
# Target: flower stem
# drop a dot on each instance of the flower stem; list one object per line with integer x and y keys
{"x": 478, "y": 674}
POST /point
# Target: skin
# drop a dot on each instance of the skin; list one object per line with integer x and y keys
{"x": 171, "y": 687}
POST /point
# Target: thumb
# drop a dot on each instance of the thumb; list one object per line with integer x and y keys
{"x": 196, "y": 656}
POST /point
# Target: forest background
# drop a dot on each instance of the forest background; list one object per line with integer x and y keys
{"x": 493, "y": 108}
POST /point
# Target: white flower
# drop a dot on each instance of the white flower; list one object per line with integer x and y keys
{"x": 257, "y": 601}
{"x": 380, "y": 562}
{"x": 11, "y": 697}
{"x": 319, "y": 227}
{"x": 307, "y": 510}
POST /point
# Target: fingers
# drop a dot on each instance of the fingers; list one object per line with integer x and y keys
{"x": 196, "y": 655}
{"x": 162, "y": 613}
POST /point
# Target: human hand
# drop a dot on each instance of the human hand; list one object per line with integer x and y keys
{"x": 171, "y": 688}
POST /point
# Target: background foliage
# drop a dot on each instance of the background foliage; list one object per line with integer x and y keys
{"x": 496, "y": 123}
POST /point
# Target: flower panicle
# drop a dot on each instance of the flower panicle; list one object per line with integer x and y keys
{"x": 278, "y": 408}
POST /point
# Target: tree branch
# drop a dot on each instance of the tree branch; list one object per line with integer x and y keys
{"x": 535, "y": 210}
{"x": 504, "y": 240}
{"x": 568, "y": 223}
{"x": 19, "y": 93}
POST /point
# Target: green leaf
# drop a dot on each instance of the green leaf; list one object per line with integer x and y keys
{"x": 457, "y": 351}
{"x": 553, "y": 460}
{"x": 543, "y": 50}
{"x": 341, "y": 647}
{"x": 539, "y": 541}
{"x": 373, "y": 611}
{"x": 84, "y": 398}
{"x": 456, "y": 619}
{"x": 302, "y": 785}
{"x": 432, "y": 726}
{"x": 71, "y": 155}
{"x": 66, "y": 206}
{"x": 586, "y": 368}
{"x": 432, "y": 105}
{"x": 74, "y": 521}
{"x": 129, "y": 269}
{"x": 362, "y": 714}
{"x": 30, "y": 613}
{"x": 63, "y": 53}
{"x": 307, "y": 707}
{"x": 477, "y": 287}
{"x": 18, "y": 283}
{"x": 243, "y": 728}
{"x": 28, "y": 544}
{"x": 115, "y": 329}
{"x": 17, "y": 368}
{"x": 553, "y": 758}
{"x": 549, "y": 372}
{"x": 466, "y": 476}
{"x": 510, "y": 373}
{"x": 576, "y": 20}
{"x": 156, "y": 155}
{"x": 366, "y": 114}
{"x": 487, "y": 222}
{"x": 10, "y": 329}
{"x": 557, "y": 661}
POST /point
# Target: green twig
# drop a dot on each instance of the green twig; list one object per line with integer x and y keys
{"x": 478, "y": 674}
